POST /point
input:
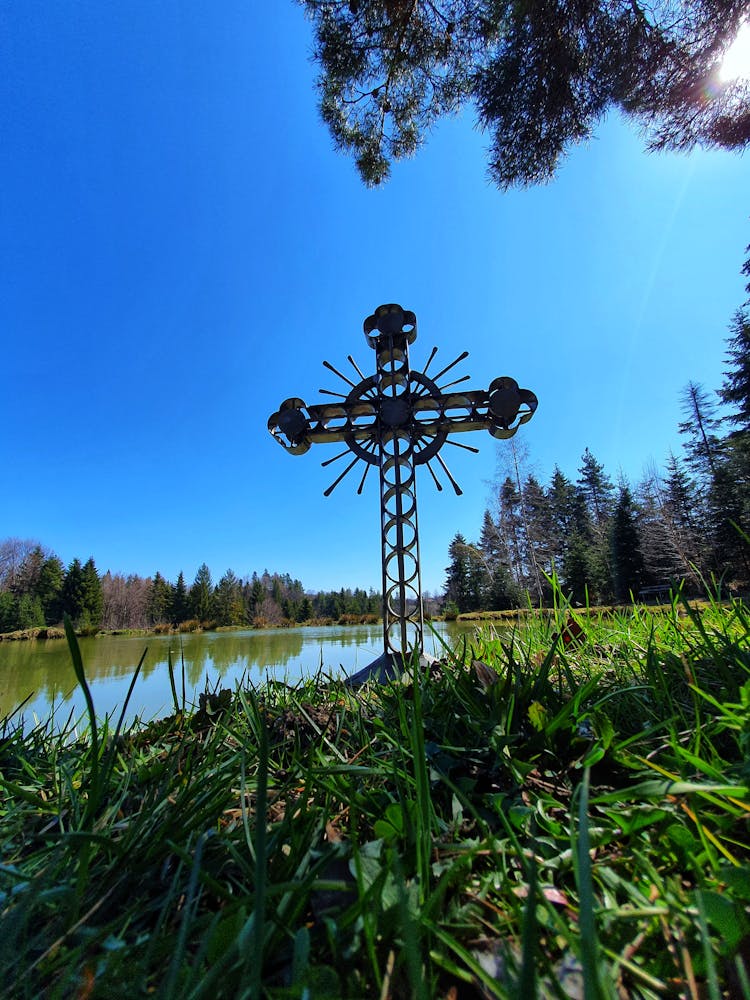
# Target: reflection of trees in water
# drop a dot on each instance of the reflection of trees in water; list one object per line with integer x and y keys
{"x": 221, "y": 651}
{"x": 44, "y": 666}
{"x": 272, "y": 648}
{"x": 352, "y": 636}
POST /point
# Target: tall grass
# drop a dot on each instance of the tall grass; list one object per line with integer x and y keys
{"x": 558, "y": 808}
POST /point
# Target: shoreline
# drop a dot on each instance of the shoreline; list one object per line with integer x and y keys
{"x": 57, "y": 632}
{"x": 510, "y": 616}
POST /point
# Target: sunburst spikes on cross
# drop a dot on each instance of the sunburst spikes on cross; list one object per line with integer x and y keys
{"x": 423, "y": 414}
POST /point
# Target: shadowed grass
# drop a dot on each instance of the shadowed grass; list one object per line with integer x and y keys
{"x": 559, "y": 808}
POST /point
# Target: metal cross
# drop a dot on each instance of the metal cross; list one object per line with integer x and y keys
{"x": 397, "y": 419}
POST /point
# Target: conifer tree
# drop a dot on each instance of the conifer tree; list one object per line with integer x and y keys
{"x": 735, "y": 390}
{"x": 728, "y": 505}
{"x": 73, "y": 591}
{"x": 38, "y": 579}
{"x": 93, "y": 599}
{"x": 305, "y": 610}
{"x": 597, "y": 492}
{"x": 701, "y": 426}
{"x": 50, "y": 586}
{"x": 541, "y": 75}
{"x": 229, "y": 606}
{"x": 8, "y": 611}
{"x": 561, "y": 497}
{"x": 30, "y": 612}
{"x": 498, "y": 590}
{"x": 576, "y": 569}
{"x": 201, "y": 595}
{"x": 179, "y": 608}
{"x": 457, "y": 582}
{"x": 627, "y": 558}
{"x": 255, "y": 596}
{"x": 159, "y": 600}
{"x": 730, "y": 489}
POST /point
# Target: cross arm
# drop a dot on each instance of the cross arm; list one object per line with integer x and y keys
{"x": 361, "y": 418}
{"x": 501, "y": 409}
{"x": 297, "y": 426}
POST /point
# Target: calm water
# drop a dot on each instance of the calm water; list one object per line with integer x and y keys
{"x": 41, "y": 670}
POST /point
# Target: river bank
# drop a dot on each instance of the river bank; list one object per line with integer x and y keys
{"x": 530, "y": 818}
{"x": 39, "y": 673}
{"x": 185, "y": 628}
{"x": 507, "y": 617}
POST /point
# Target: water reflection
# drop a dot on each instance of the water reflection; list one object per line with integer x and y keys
{"x": 41, "y": 670}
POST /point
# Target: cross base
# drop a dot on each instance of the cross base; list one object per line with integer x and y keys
{"x": 387, "y": 667}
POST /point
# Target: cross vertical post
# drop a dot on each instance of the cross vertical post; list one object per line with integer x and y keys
{"x": 396, "y": 420}
{"x": 403, "y": 623}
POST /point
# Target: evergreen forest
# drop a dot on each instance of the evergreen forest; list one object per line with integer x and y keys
{"x": 37, "y": 590}
{"x": 610, "y": 541}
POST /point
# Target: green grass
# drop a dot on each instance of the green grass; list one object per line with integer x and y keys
{"x": 542, "y": 813}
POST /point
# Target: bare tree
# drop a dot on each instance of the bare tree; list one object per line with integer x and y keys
{"x": 125, "y": 601}
{"x": 13, "y": 553}
{"x": 668, "y": 551}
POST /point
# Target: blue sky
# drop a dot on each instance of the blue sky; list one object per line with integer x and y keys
{"x": 181, "y": 247}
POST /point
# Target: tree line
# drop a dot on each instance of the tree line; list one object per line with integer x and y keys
{"x": 37, "y": 590}
{"x": 687, "y": 523}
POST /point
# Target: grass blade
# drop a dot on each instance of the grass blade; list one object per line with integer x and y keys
{"x": 587, "y": 923}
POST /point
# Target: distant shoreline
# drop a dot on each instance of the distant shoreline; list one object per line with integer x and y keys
{"x": 57, "y": 632}
{"x": 507, "y": 617}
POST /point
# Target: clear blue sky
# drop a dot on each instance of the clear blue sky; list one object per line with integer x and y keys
{"x": 181, "y": 248}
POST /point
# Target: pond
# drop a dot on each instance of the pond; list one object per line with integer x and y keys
{"x": 41, "y": 670}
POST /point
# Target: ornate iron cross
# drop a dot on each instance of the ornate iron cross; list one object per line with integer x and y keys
{"x": 396, "y": 420}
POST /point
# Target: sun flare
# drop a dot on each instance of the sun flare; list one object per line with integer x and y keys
{"x": 736, "y": 62}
